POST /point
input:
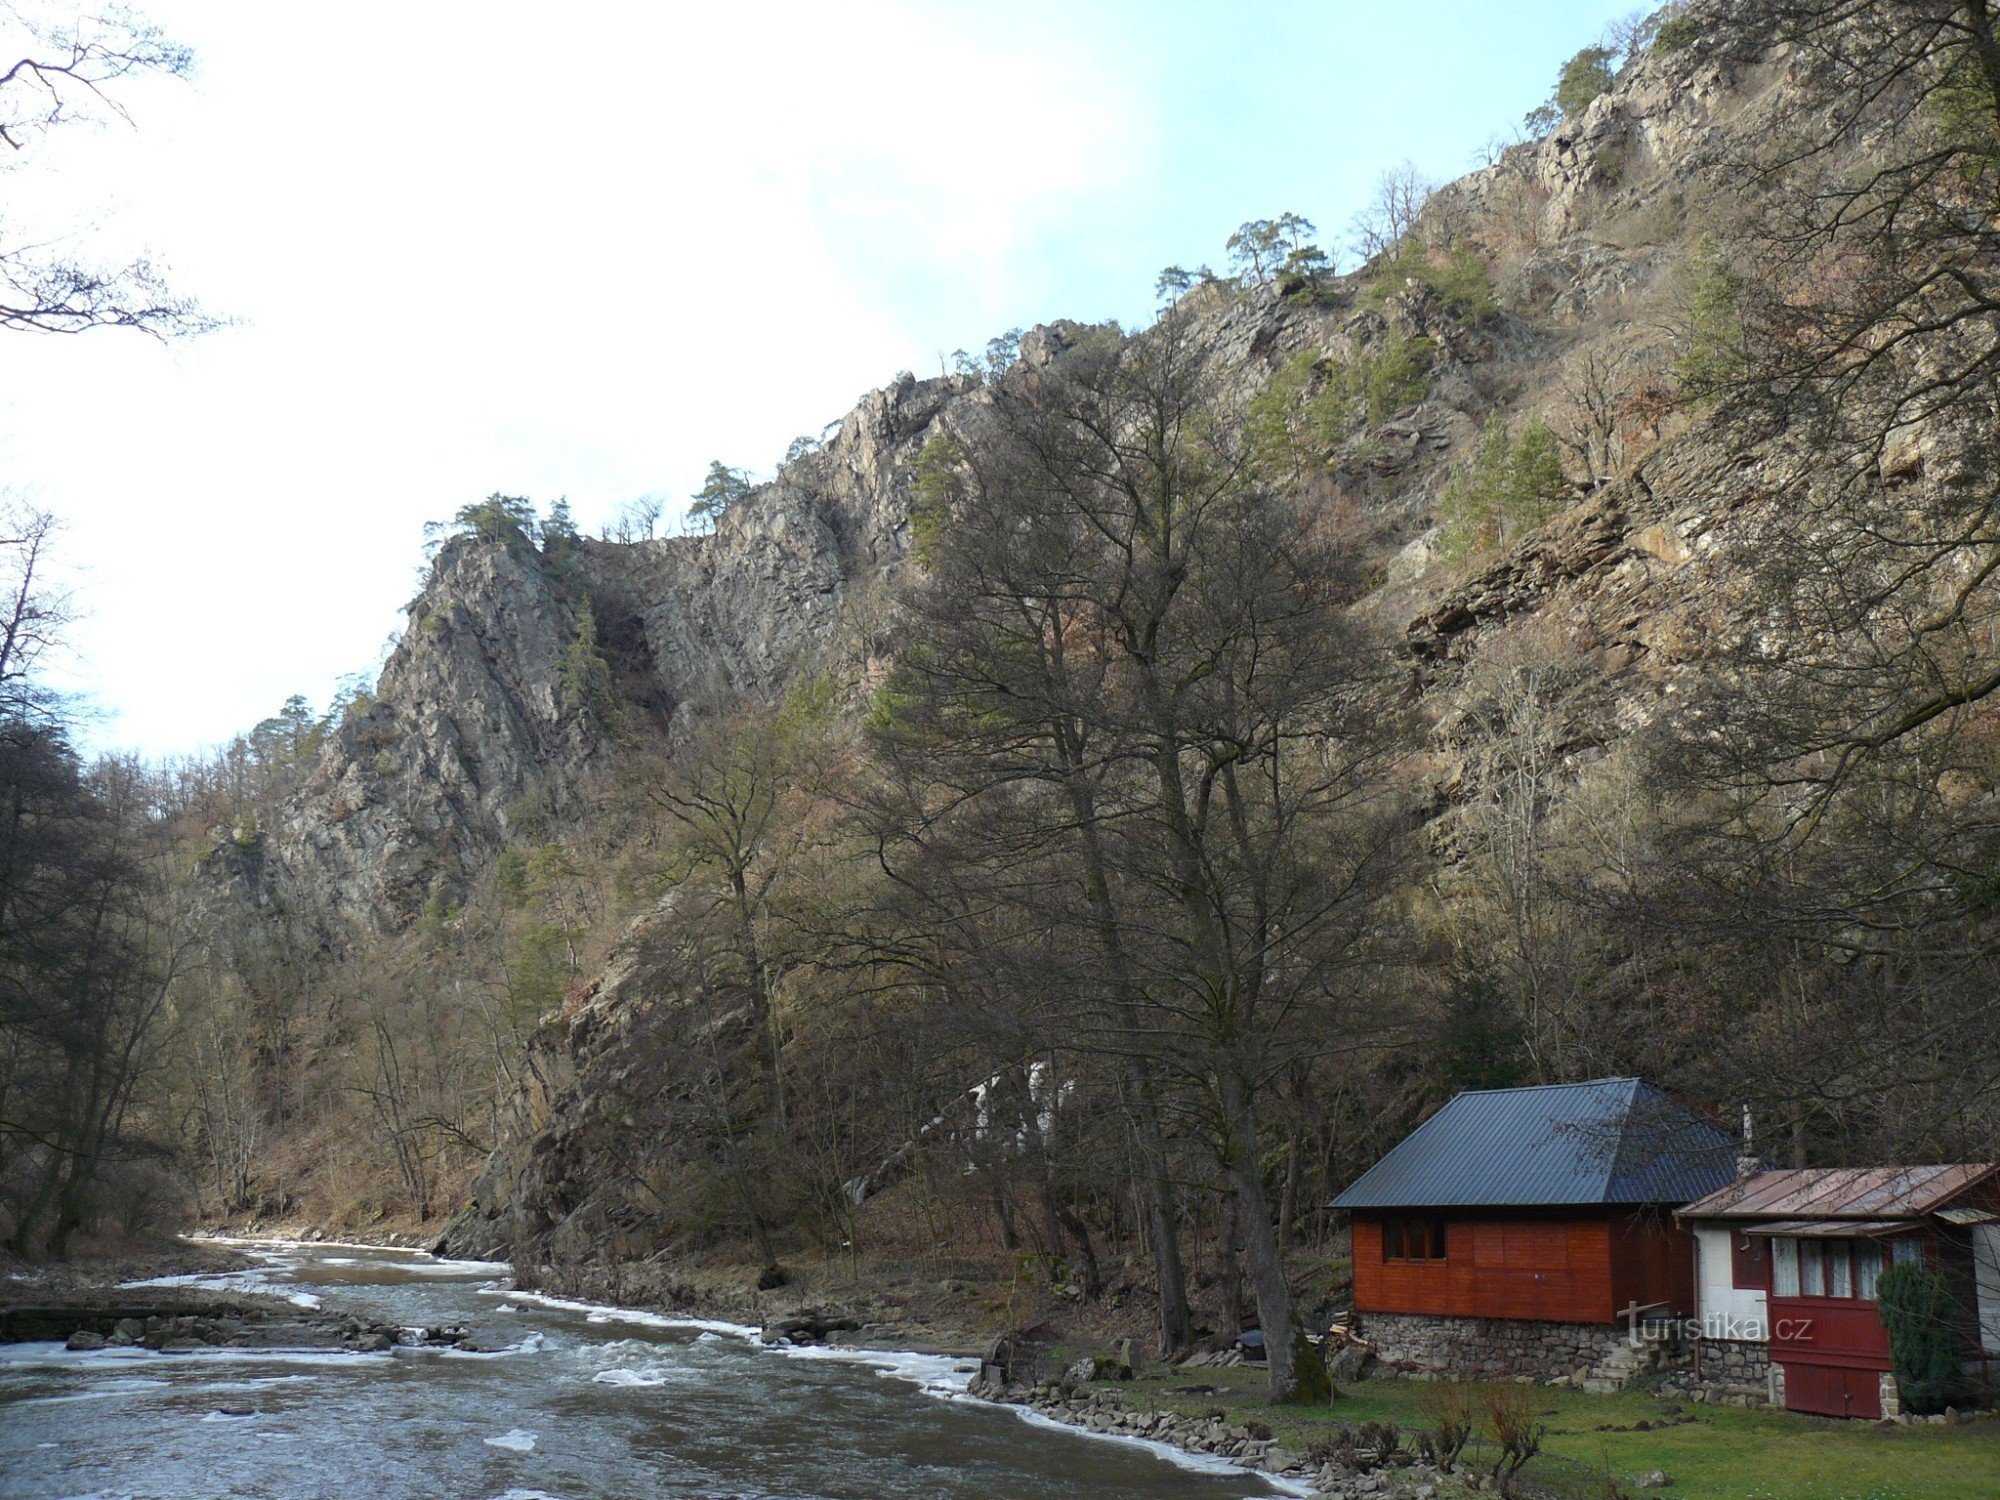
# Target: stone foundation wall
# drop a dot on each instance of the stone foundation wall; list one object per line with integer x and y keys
{"x": 1733, "y": 1373}
{"x": 1591, "y": 1356}
{"x": 1484, "y": 1348}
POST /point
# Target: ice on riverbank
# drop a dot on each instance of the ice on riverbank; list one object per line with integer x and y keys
{"x": 253, "y": 1283}
{"x": 933, "y": 1374}
{"x": 599, "y": 1312}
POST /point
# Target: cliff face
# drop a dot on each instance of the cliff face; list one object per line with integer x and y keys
{"x": 418, "y": 784}
{"x": 1590, "y": 229}
{"x": 479, "y": 717}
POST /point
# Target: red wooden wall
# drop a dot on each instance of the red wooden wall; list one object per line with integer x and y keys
{"x": 1566, "y": 1266}
{"x": 1828, "y": 1331}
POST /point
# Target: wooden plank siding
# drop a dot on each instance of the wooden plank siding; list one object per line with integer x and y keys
{"x": 1652, "y": 1263}
{"x": 1560, "y": 1266}
{"x": 1828, "y": 1331}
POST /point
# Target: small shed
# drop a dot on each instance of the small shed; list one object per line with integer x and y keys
{"x": 1790, "y": 1259}
{"x": 1552, "y": 1204}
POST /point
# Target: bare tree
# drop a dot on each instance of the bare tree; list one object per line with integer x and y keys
{"x": 1400, "y": 197}
{"x": 70, "y": 68}
{"x": 1132, "y": 632}
{"x": 1594, "y": 411}
{"x": 31, "y": 615}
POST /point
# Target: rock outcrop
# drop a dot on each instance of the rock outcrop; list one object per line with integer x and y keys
{"x": 478, "y": 721}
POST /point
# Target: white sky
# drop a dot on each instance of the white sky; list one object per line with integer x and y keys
{"x": 583, "y": 249}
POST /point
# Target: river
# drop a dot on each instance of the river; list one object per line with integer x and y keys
{"x": 577, "y": 1403}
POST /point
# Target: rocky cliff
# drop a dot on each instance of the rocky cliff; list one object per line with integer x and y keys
{"x": 1587, "y": 232}
{"x": 476, "y": 721}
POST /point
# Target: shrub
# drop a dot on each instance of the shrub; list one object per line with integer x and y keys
{"x": 1370, "y": 1446}
{"x": 1310, "y": 406}
{"x": 583, "y": 676}
{"x": 1451, "y": 1407}
{"x": 1458, "y": 278}
{"x": 1583, "y": 78}
{"x": 1512, "y": 485}
{"x": 1675, "y": 33}
{"x": 1311, "y": 1385}
{"x": 1926, "y": 1339}
{"x": 938, "y": 487}
{"x": 1512, "y": 1419}
{"x": 1394, "y": 376}
{"x": 1715, "y": 333}
{"x": 1296, "y": 420}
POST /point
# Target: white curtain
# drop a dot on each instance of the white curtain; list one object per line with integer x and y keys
{"x": 1784, "y": 1268}
{"x": 1867, "y": 1268}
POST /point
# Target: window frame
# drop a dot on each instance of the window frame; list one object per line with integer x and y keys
{"x": 1749, "y": 1262}
{"x": 1403, "y": 1235}
{"x": 1842, "y": 1268}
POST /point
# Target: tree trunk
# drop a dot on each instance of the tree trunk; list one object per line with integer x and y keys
{"x": 1162, "y": 1212}
{"x": 1229, "y": 1272}
{"x": 1260, "y": 1243}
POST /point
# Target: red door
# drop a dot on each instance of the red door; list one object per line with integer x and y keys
{"x": 1831, "y": 1391}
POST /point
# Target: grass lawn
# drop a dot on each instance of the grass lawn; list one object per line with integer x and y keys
{"x": 1725, "y": 1453}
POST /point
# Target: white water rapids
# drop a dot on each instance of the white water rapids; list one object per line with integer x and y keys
{"x": 571, "y": 1401}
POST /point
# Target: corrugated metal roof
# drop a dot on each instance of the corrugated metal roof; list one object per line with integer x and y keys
{"x": 1841, "y": 1193}
{"x": 1612, "y": 1140}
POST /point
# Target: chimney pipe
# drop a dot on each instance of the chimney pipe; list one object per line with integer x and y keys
{"x": 1748, "y": 1163}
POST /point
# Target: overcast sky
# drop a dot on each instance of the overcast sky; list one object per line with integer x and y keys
{"x": 579, "y": 250}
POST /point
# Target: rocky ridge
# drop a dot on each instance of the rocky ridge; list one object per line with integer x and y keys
{"x": 424, "y": 783}
{"x": 473, "y": 729}
{"x": 1635, "y": 588}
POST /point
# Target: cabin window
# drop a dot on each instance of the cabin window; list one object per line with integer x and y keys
{"x": 1812, "y": 1268}
{"x": 1518, "y": 1246}
{"x": 1413, "y": 1239}
{"x": 1867, "y": 1268}
{"x": 1749, "y": 1262}
{"x": 1909, "y": 1250}
{"x": 1785, "y": 1268}
{"x": 1826, "y": 1268}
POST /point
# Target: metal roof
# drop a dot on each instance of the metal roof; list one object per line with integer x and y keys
{"x": 1841, "y": 1193}
{"x": 1612, "y": 1140}
{"x": 1827, "y": 1229}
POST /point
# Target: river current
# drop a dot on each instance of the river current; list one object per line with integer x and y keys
{"x": 576, "y": 1403}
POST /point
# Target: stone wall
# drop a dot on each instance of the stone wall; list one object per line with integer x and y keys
{"x": 1484, "y": 1348}
{"x": 1592, "y": 1356}
{"x": 1733, "y": 1373}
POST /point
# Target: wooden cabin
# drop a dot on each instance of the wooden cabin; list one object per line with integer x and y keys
{"x": 1790, "y": 1259}
{"x": 1549, "y": 1204}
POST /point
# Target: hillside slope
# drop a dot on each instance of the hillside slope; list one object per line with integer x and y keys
{"x": 1533, "y": 323}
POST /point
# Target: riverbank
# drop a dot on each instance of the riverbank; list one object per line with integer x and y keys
{"x": 170, "y": 1296}
{"x": 1366, "y": 1444}
{"x": 104, "y": 1266}
{"x": 1324, "y": 1470}
{"x": 907, "y": 1313}
{"x": 1626, "y": 1444}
